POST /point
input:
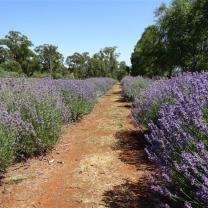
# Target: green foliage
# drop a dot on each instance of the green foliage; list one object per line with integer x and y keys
{"x": 178, "y": 40}
{"x": 47, "y": 126}
{"x": 78, "y": 105}
{"x": 55, "y": 75}
{"x": 121, "y": 71}
{"x": 4, "y": 73}
{"x": 31, "y": 65}
{"x": 39, "y": 74}
{"x": 12, "y": 66}
{"x": 148, "y": 57}
{"x": 135, "y": 87}
{"x": 78, "y": 64}
{"x": 50, "y": 59}
{"x": 151, "y": 114}
{"x": 4, "y": 53}
{"x": 101, "y": 64}
{"x": 18, "y": 45}
{"x": 132, "y": 86}
{"x": 6, "y": 150}
{"x": 33, "y": 112}
{"x": 16, "y": 55}
{"x": 153, "y": 111}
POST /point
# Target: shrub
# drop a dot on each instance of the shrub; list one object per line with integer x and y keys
{"x": 131, "y": 87}
{"x": 12, "y": 66}
{"x": 6, "y": 148}
{"x": 77, "y": 104}
{"x": 178, "y": 142}
{"x": 32, "y": 112}
{"x": 4, "y": 73}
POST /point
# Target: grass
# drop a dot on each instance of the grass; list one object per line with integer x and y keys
{"x": 15, "y": 179}
{"x": 102, "y": 141}
{"x": 98, "y": 173}
{"x": 111, "y": 125}
{"x": 95, "y": 164}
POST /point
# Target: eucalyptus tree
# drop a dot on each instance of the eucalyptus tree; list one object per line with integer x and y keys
{"x": 16, "y": 53}
{"x": 78, "y": 64}
{"x": 50, "y": 58}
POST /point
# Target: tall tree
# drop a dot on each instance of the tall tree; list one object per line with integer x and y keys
{"x": 18, "y": 45}
{"x": 78, "y": 64}
{"x": 103, "y": 63}
{"x": 183, "y": 35}
{"x": 122, "y": 70}
{"x": 50, "y": 59}
{"x": 110, "y": 57}
{"x": 15, "y": 50}
{"x": 174, "y": 25}
{"x": 149, "y": 57}
{"x": 4, "y": 54}
{"x": 197, "y": 58}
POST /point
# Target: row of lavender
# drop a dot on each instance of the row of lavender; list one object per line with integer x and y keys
{"x": 33, "y": 111}
{"x": 132, "y": 85}
{"x": 175, "y": 111}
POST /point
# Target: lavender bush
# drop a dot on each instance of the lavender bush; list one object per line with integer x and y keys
{"x": 176, "y": 113}
{"x": 131, "y": 86}
{"x": 148, "y": 102}
{"x": 33, "y": 111}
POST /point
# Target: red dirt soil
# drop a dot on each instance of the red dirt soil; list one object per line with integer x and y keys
{"x": 99, "y": 162}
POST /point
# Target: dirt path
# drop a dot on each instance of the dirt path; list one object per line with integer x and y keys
{"x": 98, "y": 163}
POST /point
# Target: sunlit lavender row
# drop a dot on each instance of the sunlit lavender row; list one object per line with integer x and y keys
{"x": 32, "y": 112}
{"x": 175, "y": 112}
{"x": 132, "y": 85}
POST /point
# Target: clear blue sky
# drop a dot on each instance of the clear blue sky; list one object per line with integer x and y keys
{"x": 80, "y": 25}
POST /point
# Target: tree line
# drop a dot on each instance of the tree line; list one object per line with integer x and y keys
{"x": 17, "y": 58}
{"x": 178, "y": 41}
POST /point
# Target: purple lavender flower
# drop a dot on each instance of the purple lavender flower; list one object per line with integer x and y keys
{"x": 176, "y": 113}
{"x": 32, "y": 112}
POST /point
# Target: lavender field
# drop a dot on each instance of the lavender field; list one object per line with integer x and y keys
{"x": 104, "y": 104}
{"x": 33, "y": 111}
{"x": 174, "y": 113}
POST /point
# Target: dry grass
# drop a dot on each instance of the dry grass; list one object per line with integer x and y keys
{"x": 112, "y": 125}
{"x": 95, "y": 165}
{"x": 98, "y": 173}
{"x": 15, "y": 179}
{"x": 114, "y": 110}
{"x": 102, "y": 141}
